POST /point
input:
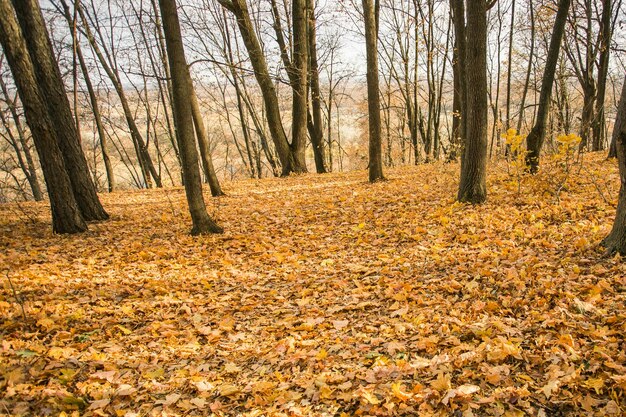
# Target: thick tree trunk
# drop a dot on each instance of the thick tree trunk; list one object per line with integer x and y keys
{"x": 473, "y": 183}
{"x": 183, "y": 119}
{"x": 370, "y": 14}
{"x": 300, "y": 85}
{"x": 203, "y": 144}
{"x": 55, "y": 98}
{"x": 537, "y": 134}
{"x": 615, "y": 242}
{"x": 272, "y": 109}
{"x": 66, "y": 215}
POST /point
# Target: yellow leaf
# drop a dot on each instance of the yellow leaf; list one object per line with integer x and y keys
{"x": 123, "y": 329}
{"x": 231, "y": 368}
{"x": 154, "y": 373}
{"x": 442, "y": 383}
{"x": 595, "y": 383}
{"x": 550, "y": 387}
{"x": 467, "y": 389}
{"x": 398, "y": 391}
{"x": 46, "y": 323}
{"x": 228, "y": 390}
{"x": 370, "y": 397}
{"x": 227, "y": 324}
{"x": 322, "y": 354}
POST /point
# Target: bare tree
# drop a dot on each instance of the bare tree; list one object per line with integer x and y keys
{"x": 183, "y": 118}
{"x": 55, "y": 98}
{"x": 20, "y": 144}
{"x": 473, "y": 183}
{"x": 537, "y": 134}
{"x": 66, "y": 214}
{"x": 370, "y": 16}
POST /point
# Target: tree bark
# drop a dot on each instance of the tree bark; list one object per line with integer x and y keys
{"x": 537, "y": 134}
{"x": 300, "y": 86}
{"x": 522, "y": 106}
{"x": 29, "y": 167}
{"x": 473, "y": 183}
{"x": 615, "y": 242}
{"x": 145, "y": 160}
{"x": 183, "y": 119}
{"x": 460, "y": 92}
{"x": 509, "y": 67}
{"x": 315, "y": 122}
{"x": 203, "y": 144}
{"x": 370, "y": 12}
{"x": 606, "y": 33}
{"x": 55, "y": 98}
{"x": 66, "y": 215}
{"x": 239, "y": 9}
{"x": 93, "y": 99}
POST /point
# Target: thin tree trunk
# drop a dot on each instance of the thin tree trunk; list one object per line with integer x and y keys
{"x": 183, "y": 118}
{"x": 145, "y": 160}
{"x": 272, "y": 109}
{"x": 30, "y": 169}
{"x": 537, "y": 135}
{"x": 203, "y": 144}
{"x": 458, "y": 11}
{"x": 95, "y": 107}
{"x": 509, "y": 67}
{"x": 520, "y": 119}
{"x": 606, "y": 33}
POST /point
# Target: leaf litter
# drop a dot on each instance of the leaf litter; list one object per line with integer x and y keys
{"x": 325, "y": 296}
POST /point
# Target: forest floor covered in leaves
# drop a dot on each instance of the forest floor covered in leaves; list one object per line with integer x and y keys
{"x": 325, "y": 296}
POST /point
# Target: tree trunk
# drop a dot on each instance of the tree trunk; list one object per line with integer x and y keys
{"x": 615, "y": 242}
{"x": 29, "y": 168}
{"x": 203, "y": 144}
{"x": 300, "y": 86}
{"x": 66, "y": 215}
{"x": 183, "y": 119}
{"x": 509, "y": 67}
{"x": 55, "y": 98}
{"x": 460, "y": 92}
{"x": 315, "y": 130}
{"x": 370, "y": 14}
{"x": 606, "y": 33}
{"x": 272, "y": 109}
{"x": 141, "y": 150}
{"x": 93, "y": 99}
{"x": 537, "y": 134}
{"x": 473, "y": 183}
{"x": 522, "y": 105}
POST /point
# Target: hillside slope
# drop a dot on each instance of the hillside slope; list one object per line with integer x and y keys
{"x": 325, "y": 296}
